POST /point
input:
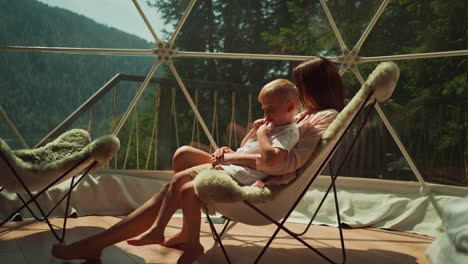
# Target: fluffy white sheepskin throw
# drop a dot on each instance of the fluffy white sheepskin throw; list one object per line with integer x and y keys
{"x": 39, "y": 167}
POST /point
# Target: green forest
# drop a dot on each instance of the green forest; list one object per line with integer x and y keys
{"x": 38, "y": 90}
{"x": 428, "y": 108}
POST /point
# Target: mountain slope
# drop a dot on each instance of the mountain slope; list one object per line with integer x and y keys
{"x": 38, "y": 90}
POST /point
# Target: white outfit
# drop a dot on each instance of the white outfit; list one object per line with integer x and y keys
{"x": 285, "y": 137}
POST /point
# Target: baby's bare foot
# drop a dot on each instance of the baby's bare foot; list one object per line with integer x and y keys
{"x": 191, "y": 253}
{"x": 147, "y": 238}
{"x": 76, "y": 251}
{"x": 258, "y": 184}
{"x": 176, "y": 241}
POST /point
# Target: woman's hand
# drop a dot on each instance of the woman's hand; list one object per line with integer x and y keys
{"x": 218, "y": 156}
{"x": 216, "y": 160}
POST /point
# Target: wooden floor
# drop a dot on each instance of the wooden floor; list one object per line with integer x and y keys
{"x": 29, "y": 242}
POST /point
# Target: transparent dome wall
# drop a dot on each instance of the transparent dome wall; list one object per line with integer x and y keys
{"x": 208, "y": 60}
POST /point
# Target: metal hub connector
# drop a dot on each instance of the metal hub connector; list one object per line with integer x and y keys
{"x": 164, "y": 52}
{"x": 348, "y": 58}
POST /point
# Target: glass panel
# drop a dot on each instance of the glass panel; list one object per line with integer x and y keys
{"x": 225, "y": 92}
{"x": 39, "y": 90}
{"x": 351, "y": 83}
{"x": 76, "y": 23}
{"x": 262, "y": 27}
{"x": 138, "y": 133}
{"x": 237, "y": 83}
{"x": 374, "y": 154}
{"x": 163, "y": 16}
{"x": 416, "y": 27}
{"x": 428, "y": 111}
{"x": 352, "y": 17}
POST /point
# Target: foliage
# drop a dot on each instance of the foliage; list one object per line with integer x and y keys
{"x": 220, "y": 26}
{"x": 38, "y": 90}
{"x": 428, "y": 107}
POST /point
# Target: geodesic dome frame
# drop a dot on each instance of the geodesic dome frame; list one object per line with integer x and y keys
{"x": 164, "y": 53}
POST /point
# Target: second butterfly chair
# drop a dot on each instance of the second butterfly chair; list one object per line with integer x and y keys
{"x": 37, "y": 170}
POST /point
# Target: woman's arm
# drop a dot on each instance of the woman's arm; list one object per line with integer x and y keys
{"x": 231, "y": 157}
{"x": 241, "y": 159}
{"x": 249, "y": 135}
{"x": 311, "y": 129}
{"x": 253, "y": 132}
{"x": 269, "y": 154}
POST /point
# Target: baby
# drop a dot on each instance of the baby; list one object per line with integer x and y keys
{"x": 271, "y": 137}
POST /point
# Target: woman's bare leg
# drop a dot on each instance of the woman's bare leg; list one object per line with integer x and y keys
{"x": 134, "y": 224}
{"x": 170, "y": 204}
{"x": 137, "y": 222}
{"x": 191, "y": 206}
{"x": 187, "y": 157}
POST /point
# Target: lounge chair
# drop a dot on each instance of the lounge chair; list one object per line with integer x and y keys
{"x": 36, "y": 170}
{"x": 270, "y": 204}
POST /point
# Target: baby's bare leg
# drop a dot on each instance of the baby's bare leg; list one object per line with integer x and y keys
{"x": 155, "y": 234}
{"x": 191, "y": 206}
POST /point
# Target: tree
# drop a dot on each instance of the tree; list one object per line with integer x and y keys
{"x": 428, "y": 107}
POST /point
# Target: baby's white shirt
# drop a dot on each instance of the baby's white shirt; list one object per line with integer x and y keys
{"x": 285, "y": 137}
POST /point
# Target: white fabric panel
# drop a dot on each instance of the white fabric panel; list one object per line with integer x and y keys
{"x": 442, "y": 251}
{"x": 363, "y": 202}
{"x": 452, "y": 245}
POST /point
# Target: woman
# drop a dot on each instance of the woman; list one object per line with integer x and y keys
{"x": 321, "y": 93}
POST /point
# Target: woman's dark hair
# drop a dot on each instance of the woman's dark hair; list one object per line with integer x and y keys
{"x": 319, "y": 84}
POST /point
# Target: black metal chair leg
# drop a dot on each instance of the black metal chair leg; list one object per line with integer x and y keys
{"x": 65, "y": 217}
{"x": 218, "y": 238}
{"x": 338, "y": 217}
{"x": 280, "y": 226}
{"x": 33, "y": 199}
{"x": 29, "y": 209}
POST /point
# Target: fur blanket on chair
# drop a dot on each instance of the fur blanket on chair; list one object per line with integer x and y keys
{"x": 39, "y": 167}
{"x": 214, "y": 185}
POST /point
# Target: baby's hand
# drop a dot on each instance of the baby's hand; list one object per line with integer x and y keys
{"x": 217, "y": 159}
{"x": 264, "y": 129}
{"x": 257, "y": 123}
{"x": 258, "y": 184}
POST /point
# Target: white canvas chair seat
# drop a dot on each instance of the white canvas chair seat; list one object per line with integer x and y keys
{"x": 275, "y": 200}
{"x": 36, "y": 170}
{"x": 262, "y": 206}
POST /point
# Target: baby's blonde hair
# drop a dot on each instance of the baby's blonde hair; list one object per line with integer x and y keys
{"x": 281, "y": 87}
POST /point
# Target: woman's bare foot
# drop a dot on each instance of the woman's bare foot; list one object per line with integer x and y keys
{"x": 76, "y": 251}
{"x": 191, "y": 253}
{"x": 176, "y": 241}
{"x": 151, "y": 236}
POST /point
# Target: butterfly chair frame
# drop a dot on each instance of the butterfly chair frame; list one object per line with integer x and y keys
{"x": 281, "y": 225}
{"x": 33, "y": 197}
